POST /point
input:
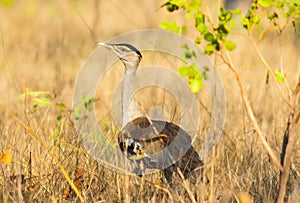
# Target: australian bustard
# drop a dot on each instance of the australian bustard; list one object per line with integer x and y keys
{"x": 139, "y": 138}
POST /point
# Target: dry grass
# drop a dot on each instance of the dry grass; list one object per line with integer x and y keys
{"x": 43, "y": 45}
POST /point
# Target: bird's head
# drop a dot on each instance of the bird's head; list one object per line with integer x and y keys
{"x": 128, "y": 54}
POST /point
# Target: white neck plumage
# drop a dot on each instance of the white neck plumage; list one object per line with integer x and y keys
{"x": 130, "y": 111}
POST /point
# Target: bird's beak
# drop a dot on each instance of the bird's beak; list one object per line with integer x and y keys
{"x": 104, "y": 44}
{"x": 112, "y": 48}
{"x": 101, "y": 44}
{"x": 109, "y": 47}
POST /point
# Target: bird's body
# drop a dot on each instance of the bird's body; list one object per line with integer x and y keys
{"x": 156, "y": 135}
{"x": 140, "y": 137}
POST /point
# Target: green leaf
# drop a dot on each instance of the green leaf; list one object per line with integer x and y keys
{"x": 34, "y": 94}
{"x": 210, "y": 48}
{"x": 229, "y": 45}
{"x": 216, "y": 44}
{"x": 198, "y": 40}
{"x": 58, "y": 119}
{"x": 224, "y": 16}
{"x": 105, "y": 122}
{"x": 60, "y": 105}
{"x": 209, "y": 37}
{"x": 232, "y": 23}
{"x": 194, "y": 77}
{"x": 202, "y": 28}
{"x": 177, "y": 2}
{"x": 184, "y": 29}
{"x": 170, "y": 6}
{"x": 273, "y": 16}
{"x": 223, "y": 30}
{"x": 33, "y": 109}
{"x": 196, "y": 84}
{"x": 279, "y": 4}
{"x": 279, "y": 76}
{"x": 246, "y": 23}
{"x": 199, "y": 19}
{"x": 204, "y": 73}
{"x": 256, "y": 19}
{"x": 188, "y": 16}
{"x": 188, "y": 71}
{"x": 265, "y": 3}
{"x": 7, "y": 2}
{"x": 193, "y": 5}
{"x": 236, "y": 11}
{"x": 39, "y": 98}
{"x": 189, "y": 54}
{"x": 183, "y": 71}
{"x": 171, "y": 26}
{"x": 295, "y": 1}
{"x": 41, "y": 102}
{"x": 85, "y": 103}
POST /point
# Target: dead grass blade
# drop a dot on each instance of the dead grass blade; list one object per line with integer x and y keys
{"x": 250, "y": 112}
{"x": 186, "y": 186}
{"x": 45, "y": 146}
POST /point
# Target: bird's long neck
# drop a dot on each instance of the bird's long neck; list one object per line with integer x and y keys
{"x": 130, "y": 111}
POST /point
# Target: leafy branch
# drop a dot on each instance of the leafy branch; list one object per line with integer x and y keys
{"x": 214, "y": 37}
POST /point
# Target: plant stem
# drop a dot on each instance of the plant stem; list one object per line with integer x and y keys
{"x": 289, "y": 140}
{"x": 265, "y": 63}
{"x": 253, "y": 120}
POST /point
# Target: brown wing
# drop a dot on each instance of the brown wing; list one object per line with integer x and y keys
{"x": 155, "y": 135}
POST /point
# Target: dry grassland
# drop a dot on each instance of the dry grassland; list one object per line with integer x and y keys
{"x": 43, "y": 46}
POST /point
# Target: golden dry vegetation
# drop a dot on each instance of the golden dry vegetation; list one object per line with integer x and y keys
{"x": 43, "y": 46}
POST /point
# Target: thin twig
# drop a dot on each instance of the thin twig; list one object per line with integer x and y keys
{"x": 265, "y": 63}
{"x": 253, "y": 120}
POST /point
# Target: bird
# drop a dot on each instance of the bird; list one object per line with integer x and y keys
{"x": 140, "y": 137}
